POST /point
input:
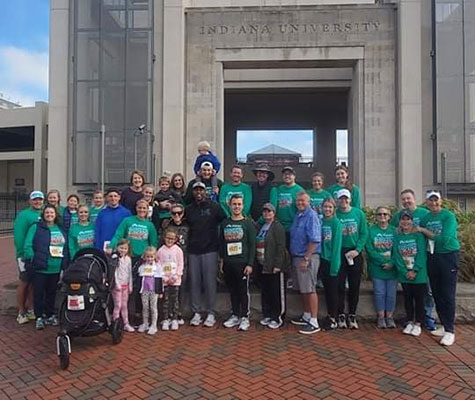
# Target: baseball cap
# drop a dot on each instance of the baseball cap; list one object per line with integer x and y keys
{"x": 288, "y": 169}
{"x": 268, "y": 206}
{"x": 199, "y": 185}
{"x": 206, "y": 164}
{"x": 343, "y": 193}
{"x": 431, "y": 193}
{"x": 36, "y": 194}
{"x": 406, "y": 213}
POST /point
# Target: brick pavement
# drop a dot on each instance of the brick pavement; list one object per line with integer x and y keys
{"x": 216, "y": 363}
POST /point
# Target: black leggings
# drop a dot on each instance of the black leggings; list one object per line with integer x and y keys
{"x": 44, "y": 286}
{"x": 414, "y": 294}
{"x": 330, "y": 283}
{"x": 353, "y": 273}
{"x": 238, "y": 285}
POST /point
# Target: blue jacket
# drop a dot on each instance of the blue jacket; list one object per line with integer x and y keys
{"x": 66, "y": 221}
{"x": 106, "y": 224}
{"x": 41, "y": 243}
{"x": 207, "y": 157}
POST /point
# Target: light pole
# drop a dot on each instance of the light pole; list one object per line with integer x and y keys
{"x": 137, "y": 133}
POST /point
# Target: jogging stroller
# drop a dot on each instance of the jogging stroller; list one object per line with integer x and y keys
{"x": 85, "y": 302}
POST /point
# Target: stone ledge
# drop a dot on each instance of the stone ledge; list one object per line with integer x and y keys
{"x": 465, "y": 311}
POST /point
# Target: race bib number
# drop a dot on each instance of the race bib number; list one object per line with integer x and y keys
{"x": 234, "y": 249}
{"x": 107, "y": 245}
{"x": 75, "y": 303}
{"x": 56, "y": 251}
{"x": 147, "y": 271}
{"x": 169, "y": 268}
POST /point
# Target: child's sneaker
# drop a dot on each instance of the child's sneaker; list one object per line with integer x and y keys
{"x": 31, "y": 315}
{"x": 40, "y": 324}
{"x": 143, "y": 327}
{"x": 128, "y": 328}
{"x": 22, "y": 319}
{"x": 196, "y": 320}
{"x": 152, "y": 330}
{"x": 165, "y": 325}
{"x": 408, "y": 329}
{"x": 181, "y": 321}
{"x": 174, "y": 325}
{"x": 53, "y": 321}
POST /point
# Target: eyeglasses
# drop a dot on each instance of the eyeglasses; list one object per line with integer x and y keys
{"x": 381, "y": 214}
{"x": 177, "y": 212}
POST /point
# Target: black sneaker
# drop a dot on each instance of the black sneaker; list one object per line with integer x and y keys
{"x": 309, "y": 329}
{"x": 330, "y": 324}
{"x": 301, "y": 321}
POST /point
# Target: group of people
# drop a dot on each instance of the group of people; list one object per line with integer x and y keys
{"x": 281, "y": 235}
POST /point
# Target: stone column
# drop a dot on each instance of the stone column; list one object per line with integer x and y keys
{"x": 58, "y": 96}
{"x": 410, "y": 97}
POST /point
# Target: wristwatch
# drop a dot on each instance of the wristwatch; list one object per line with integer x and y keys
{"x": 306, "y": 258}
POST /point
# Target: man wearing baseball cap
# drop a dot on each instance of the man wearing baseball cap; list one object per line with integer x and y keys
{"x": 23, "y": 221}
{"x": 206, "y": 174}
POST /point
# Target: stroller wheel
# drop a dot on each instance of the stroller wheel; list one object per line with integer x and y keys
{"x": 117, "y": 330}
{"x": 63, "y": 347}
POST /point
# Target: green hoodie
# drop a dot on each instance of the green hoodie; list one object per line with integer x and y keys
{"x": 228, "y": 189}
{"x": 409, "y": 253}
{"x": 355, "y": 228}
{"x": 379, "y": 250}
{"x": 53, "y": 265}
{"x": 444, "y": 226}
{"x": 418, "y": 215}
{"x": 80, "y": 237}
{"x": 331, "y": 243}
{"x": 316, "y": 200}
{"x": 94, "y": 212}
{"x": 140, "y": 233}
{"x": 24, "y": 220}
{"x": 355, "y": 194}
{"x": 286, "y": 208}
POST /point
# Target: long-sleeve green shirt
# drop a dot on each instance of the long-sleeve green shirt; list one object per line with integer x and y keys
{"x": 24, "y": 220}
{"x": 316, "y": 200}
{"x": 418, "y": 215}
{"x": 444, "y": 226}
{"x": 331, "y": 243}
{"x": 379, "y": 251}
{"x": 80, "y": 237}
{"x": 286, "y": 208}
{"x": 238, "y": 241}
{"x": 94, "y": 212}
{"x": 226, "y": 192}
{"x": 355, "y": 228}
{"x": 139, "y": 232}
{"x": 409, "y": 253}
{"x": 355, "y": 194}
{"x": 57, "y": 240}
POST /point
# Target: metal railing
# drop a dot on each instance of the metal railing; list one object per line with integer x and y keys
{"x": 10, "y": 205}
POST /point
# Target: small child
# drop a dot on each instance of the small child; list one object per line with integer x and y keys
{"x": 205, "y": 154}
{"x": 123, "y": 284}
{"x": 151, "y": 289}
{"x": 164, "y": 199}
{"x": 170, "y": 259}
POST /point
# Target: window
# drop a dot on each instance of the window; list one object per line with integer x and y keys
{"x": 20, "y": 138}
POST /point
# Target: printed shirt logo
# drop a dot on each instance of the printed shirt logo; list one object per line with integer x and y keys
{"x": 233, "y": 232}
{"x": 383, "y": 241}
{"x": 326, "y": 233}
{"x": 137, "y": 232}
{"x": 86, "y": 238}
{"x": 316, "y": 205}
{"x": 435, "y": 227}
{"x": 408, "y": 251}
{"x": 350, "y": 226}
{"x": 285, "y": 200}
{"x": 57, "y": 239}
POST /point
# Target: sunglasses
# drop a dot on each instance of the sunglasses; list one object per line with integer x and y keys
{"x": 381, "y": 214}
{"x": 177, "y": 212}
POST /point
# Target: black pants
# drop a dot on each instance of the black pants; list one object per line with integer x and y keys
{"x": 414, "y": 294}
{"x": 353, "y": 273}
{"x": 273, "y": 296}
{"x": 443, "y": 269}
{"x": 238, "y": 285}
{"x": 170, "y": 302}
{"x": 330, "y": 283}
{"x": 44, "y": 286}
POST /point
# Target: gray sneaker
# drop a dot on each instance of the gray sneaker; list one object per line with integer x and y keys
{"x": 382, "y": 323}
{"x": 210, "y": 321}
{"x": 196, "y": 320}
{"x": 390, "y": 324}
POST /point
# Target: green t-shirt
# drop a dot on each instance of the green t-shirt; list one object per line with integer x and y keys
{"x": 286, "y": 208}
{"x": 409, "y": 253}
{"x": 316, "y": 200}
{"x": 444, "y": 226}
{"x": 228, "y": 189}
{"x": 80, "y": 237}
{"x": 355, "y": 228}
{"x": 238, "y": 241}
{"x": 94, "y": 212}
{"x": 140, "y": 233}
{"x": 417, "y": 216}
{"x": 56, "y": 248}
{"x": 331, "y": 243}
{"x": 24, "y": 220}
{"x": 379, "y": 251}
{"x": 74, "y": 218}
{"x": 355, "y": 194}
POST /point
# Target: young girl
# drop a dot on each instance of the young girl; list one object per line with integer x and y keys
{"x": 53, "y": 198}
{"x": 98, "y": 205}
{"x": 70, "y": 215}
{"x": 170, "y": 259}
{"x": 151, "y": 290}
{"x": 317, "y": 194}
{"x": 81, "y": 235}
{"x": 342, "y": 176}
{"x": 123, "y": 284}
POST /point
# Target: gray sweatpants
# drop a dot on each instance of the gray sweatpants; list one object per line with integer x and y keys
{"x": 202, "y": 271}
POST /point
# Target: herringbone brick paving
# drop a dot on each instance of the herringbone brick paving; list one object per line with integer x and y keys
{"x": 201, "y": 363}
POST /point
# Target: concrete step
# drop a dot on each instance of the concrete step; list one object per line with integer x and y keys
{"x": 465, "y": 311}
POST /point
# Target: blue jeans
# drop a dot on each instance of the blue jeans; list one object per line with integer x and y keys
{"x": 385, "y": 294}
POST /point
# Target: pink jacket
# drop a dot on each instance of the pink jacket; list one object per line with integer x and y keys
{"x": 171, "y": 263}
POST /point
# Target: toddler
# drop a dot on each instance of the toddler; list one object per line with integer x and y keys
{"x": 164, "y": 199}
{"x": 205, "y": 154}
{"x": 170, "y": 259}
{"x": 123, "y": 284}
{"x": 151, "y": 289}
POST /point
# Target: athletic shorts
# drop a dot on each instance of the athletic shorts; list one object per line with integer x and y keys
{"x": 23, "y": 275}
{"x": 305, "y": 280}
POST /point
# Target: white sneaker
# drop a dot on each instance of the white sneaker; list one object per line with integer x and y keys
{"x": 231, "y": 322}
{"x": 196, "y": 320}
{"x": 152, "y": 330}
{"x": 143, "y": 327}
{"x": 210, "y": 321}
{"x": 275, "y": 324}
{"x": 165, "y": 325}
{"x": 174, "y": 325}
{"x": 181, "y": 321}
{"x": 448, "y": 339}
{"x": 22, "y": 319}
{"x": 265, "y": 321}
{"x": 416, "y": 330}
{"x": 408, "y": 329}
{"x": 439, "y": 332}
{"x": 244, "y": 324}
{"x": 128, "y": 328}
